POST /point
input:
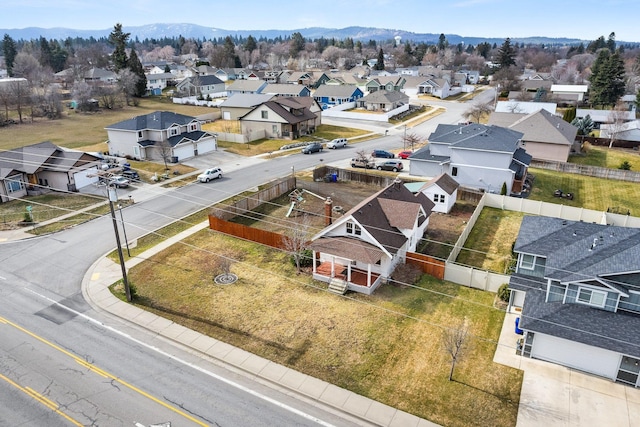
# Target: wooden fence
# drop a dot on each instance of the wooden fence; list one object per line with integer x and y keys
{"x": 429, "y": 265}
{"x": 246, "y": 232}
{"x": 249, "y": 203}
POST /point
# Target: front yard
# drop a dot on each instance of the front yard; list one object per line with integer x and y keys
{"x": 387, "y": 346}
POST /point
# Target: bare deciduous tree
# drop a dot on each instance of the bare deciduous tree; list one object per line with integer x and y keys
{"x": 455, "y": 343}
{"x": 297, "y": 238}
{"x": 410, "y": 140}
{"x": 165, "y": 150}
{"x": 617, "y": 119}
{"x": 82, "y": 93}
{"x": 477, "y": 111}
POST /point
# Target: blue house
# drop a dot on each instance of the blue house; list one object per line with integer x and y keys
{"x": 331, "y": 95}
{"x": 577, "y": 286}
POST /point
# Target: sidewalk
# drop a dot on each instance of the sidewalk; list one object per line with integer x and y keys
{"x": 105, "y": 272}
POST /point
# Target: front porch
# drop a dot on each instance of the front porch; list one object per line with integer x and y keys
{"x": 357, "y": 280}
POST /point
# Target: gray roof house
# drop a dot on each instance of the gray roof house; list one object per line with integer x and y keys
{"x": 246, "y": 86}
{"x": 241, "y": 103}
{"x": 330, "y": 95}
{"x": 286, "y": 89}
{"x": 286, "y": 117}
{"x": 158, "y": 136}
{"x": 476, "y": 156}
{"x": 577, "y": 286}
{"x": 383, "y": 100}
{"x": 44, "y": 167}
{"x": 201, "y": 85}
{"x": 362, "y": 247}
{"x": 546, "y": 136}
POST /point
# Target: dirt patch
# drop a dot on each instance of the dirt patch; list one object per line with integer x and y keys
{"x": 444, "y": 229}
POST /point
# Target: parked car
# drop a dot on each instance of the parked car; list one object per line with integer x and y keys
{"x": 119, "y": 181}
{"x": 337, "y": 143}
{"x": 131, "y": 175}
{"x": 362, "y": 163}
{"x": 383, "y": 154}
{"x": 209, "y": 174}
{"x": 405, "y": 154}
{"x": 390, "y": 165}
{"x": 312, "y": 148}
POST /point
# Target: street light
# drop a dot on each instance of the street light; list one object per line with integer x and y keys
{"x": 113, "y": 197}
{"x": 124, "y": 231}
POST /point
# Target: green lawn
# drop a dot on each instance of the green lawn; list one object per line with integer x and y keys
{"x": 386, "y": 346}
{"x": 45, "y": 207}
{"x": 607, "y": 157}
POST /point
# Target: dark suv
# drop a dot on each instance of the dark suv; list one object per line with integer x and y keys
{"x": 312, "y": 148}
{"x": 383, "y": 154}
{"x": 390, "y": 165}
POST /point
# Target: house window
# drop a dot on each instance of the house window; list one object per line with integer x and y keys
{"x": 139, "y": 134}
{"x": 193, "y": 127}
{"x": 454, "y": 171}
{"x": 353, "y": 229}
{"x": 442, "y": 198}
{"x": 14, "y": 183}
{"x": 173, "y": 131}
{"x": 591, "y": 297}
{"x": 527, "y": 261}
{"x": 628, "y": 371}
{"x": 265, "y": 114}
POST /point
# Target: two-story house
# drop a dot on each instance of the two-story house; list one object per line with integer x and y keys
{"x": 362, "y": 248}
{"x": 158, "y": 135}
{"x": 577, "y": 285}
{"x": 202, "y": 85}
{"x": 283, "y": 118}
{"x": 475, "y": 156}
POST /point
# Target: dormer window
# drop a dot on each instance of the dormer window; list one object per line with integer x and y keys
{"x": 173, "y": 131}
{"x": 193, "y": 127}
{"x": 591, "y": 297}
{"x": 353, "y": 229}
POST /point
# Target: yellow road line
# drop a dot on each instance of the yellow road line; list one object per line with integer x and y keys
{"x": 102, "y": 372}
{"x": 43, "y": 400}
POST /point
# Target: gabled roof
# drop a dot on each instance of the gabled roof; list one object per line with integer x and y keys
{"x": 291, "y": 111}
{"x": 444, "y": 181}
{"x": 284, "y": 88}
{"x": 385, "y": 96}
{"x": 476, "y": 136}
{"x": 44, "y": 155}
{"x": 158, "y": 120}
{"x": 206, "y": 80}
{"x": 543, "y": 126}
{"x": 246, "y": 100}
{"x": 425, "y": 154}
{"x": 246, "y": 85}
{"x": 338, "y": 91}
{"x": 576, "y": 251}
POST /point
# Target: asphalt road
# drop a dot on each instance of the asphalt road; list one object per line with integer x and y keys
{"x": 63, "y": 363}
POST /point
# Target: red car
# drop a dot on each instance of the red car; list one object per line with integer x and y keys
{"x": 405, "y": 154}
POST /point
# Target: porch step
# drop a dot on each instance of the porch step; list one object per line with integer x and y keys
{"x": 338, "y": 286}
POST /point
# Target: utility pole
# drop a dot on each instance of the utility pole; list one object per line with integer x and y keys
{"x": 124, "y": 230}
{"x": 404, "y": 139}
{"x": 113, "y": 197}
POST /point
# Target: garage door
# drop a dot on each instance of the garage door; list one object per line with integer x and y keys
{"x": 206, "y": 146}
{"x": 85, "y": 177}
{"x": 183, "y": 152}
{"x": 576, "y": 355}
{"x": 226, "y": 115}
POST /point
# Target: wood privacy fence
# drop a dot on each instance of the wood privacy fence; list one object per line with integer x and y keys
{"x": 429, "y": 265}
{"x": 246, "y": 232}
{"x": 596, "y": 171}
{"x": 227, "y": 211}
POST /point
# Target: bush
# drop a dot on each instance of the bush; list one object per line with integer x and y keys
{"x": 625, "y": 166}
{"x": 306, "y": 258}
{"x": 504, "y": 292}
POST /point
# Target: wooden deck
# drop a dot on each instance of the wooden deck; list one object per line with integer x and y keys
{"x": 358, "y": 277}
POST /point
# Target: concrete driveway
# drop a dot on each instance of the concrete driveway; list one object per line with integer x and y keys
{"x": 553, "y": 395}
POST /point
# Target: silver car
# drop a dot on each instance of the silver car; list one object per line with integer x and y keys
{"x": 209, "y": 174}
{"x": 337, "y": 143}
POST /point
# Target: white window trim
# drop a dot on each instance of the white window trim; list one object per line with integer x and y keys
{"x": 173, "y": 131}
{"x": 533, "y": 263}
{"x": 590, "y": 303}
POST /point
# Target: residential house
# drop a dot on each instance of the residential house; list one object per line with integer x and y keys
{"x": 201, "y": 86}
{"x": 300, "y": 78}
{"x": 443, "y": 191}
{"x": 577, "y": 287}
{"x": 628, "y": 131}
{"x": 284, "y": 89}
{"x": 282, "y": 118}
{"x": 601, "y": 117}
{"x": 159, "y": 136}
{"x": 100, "y": 76}
{"x": 45, "y": 166}
{"x": 383, "y": 100}
{"x": 476, "y": 156}
{"x": 240, "y": 104}
{"x": 157, "y": 82}
{"x": 569, "y": 93}
{"x": 388, "y": 83}
{"x": 330, "y": 95}
{"x": 435, "y": 87}
{"x": 546, "y": 136}
{"x": 204, "y": 70}
{"x": 523, "y": 107}
{"x": 246, "y": 86}
{"x": 272, "y": 76}
{"x": 361, "y": 249}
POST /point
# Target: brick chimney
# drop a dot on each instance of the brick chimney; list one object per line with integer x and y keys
{"x": 328, "y": 210}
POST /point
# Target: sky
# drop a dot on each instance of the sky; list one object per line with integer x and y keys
{"x": 581, "y": 19}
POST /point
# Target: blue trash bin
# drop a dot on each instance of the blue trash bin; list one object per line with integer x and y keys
{"x": 334, "y": 177}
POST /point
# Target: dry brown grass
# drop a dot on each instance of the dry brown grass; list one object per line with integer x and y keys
{"x": 386, "y": 346}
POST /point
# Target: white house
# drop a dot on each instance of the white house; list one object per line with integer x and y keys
{"x": 160, "y": 135}
{"x": 628, "y": 131}
{"x": 443, "y": 191}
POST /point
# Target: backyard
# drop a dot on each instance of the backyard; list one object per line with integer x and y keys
{"x": 607, "y": 157}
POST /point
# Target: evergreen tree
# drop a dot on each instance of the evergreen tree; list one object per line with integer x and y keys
{"x": 136, "y": 68}
{"x": 442, "y": 42}
{"x": 638, "y": 100}
{"x": 118, "y": 39}
{"x": 251, "y": 44}
{"x": 607, "y": 79}
{"x": 569, "y": 114}
{"x": 506, "y": 55}
{"x": 10, "y": 52}
{"x": 297, "y": 44}
{"x": 380, "y": 62}
{"x": 45, "y": 53}
{"x": 611, "y": 42}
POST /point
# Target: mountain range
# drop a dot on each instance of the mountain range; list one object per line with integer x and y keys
{"x": 364, "y": 34}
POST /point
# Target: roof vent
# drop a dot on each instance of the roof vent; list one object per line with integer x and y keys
{"x": 575, "y": 233}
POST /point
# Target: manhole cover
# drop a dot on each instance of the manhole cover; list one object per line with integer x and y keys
{"x": 225, "y": 279}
